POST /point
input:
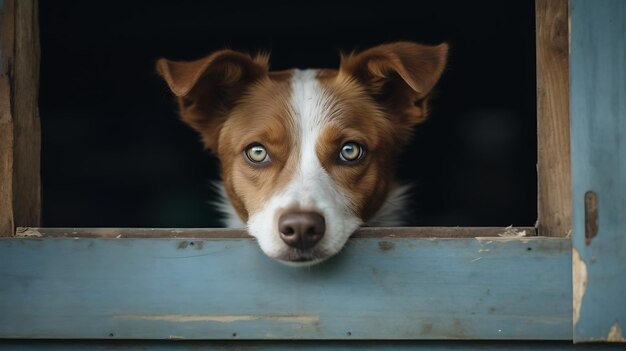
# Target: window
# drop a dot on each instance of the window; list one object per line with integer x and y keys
{"x": 393, "y": 284}
{"x": 115, "y": 154}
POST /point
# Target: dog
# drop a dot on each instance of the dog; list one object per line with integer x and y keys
{"x": 307, "y": 156}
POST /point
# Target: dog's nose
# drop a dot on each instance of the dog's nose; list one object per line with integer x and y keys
{"x": 301, "y": 230}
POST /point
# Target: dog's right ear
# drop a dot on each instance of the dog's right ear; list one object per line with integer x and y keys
{"x": 208, "y": 88}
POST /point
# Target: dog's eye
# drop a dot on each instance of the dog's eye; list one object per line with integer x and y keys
{"x": 351, "y": 151}
{"x": 257, "y": 153}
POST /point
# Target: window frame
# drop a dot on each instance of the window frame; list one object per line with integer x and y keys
{"x": 20, "y": 195}
{"x": 20, "y": 199}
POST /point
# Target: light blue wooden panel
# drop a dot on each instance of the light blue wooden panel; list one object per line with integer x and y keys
{"x": 598, "y": 134}
{"x": 489, "y": 288}
{"x": 97, "y": 345}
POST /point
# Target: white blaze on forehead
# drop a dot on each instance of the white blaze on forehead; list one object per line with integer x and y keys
{"x": 311, "y": 188}
{"x": 310, "y": 109}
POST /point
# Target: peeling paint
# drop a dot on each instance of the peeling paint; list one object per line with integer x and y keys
{"x": 579, "y": 272}
{"x": 500, "y": 239}
{"x": 176, "y": 337}
{"x": 385, "y": 245}
{"x": 510, "y": 232}
{"x": 615, "y": 334}
{"x": 27, "y": 232}
{"x": 591, "y": 216}
{"x": 484, "y": 243}
{"x": 183, "y": 318}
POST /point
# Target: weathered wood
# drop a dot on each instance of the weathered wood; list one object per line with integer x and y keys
{"x": 598, "y": 106}
{"x": 20, "y": 136}
{"x": 274, "y": 345}
{"x": 387, "y": 288}
{"x": 553, "y": 140}
{"x": 222, "y": 233}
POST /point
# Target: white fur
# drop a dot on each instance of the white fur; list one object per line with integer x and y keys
{"x": 389, "y": 214}
{"x": 231, "y": 219}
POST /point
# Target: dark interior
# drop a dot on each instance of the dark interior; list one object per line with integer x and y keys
{"x": 115, "y": 154}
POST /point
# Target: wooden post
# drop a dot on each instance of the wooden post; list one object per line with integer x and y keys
{"x": 554, "y": 210}
{"x": 598, "y": 90}
{"x": 20, "y": 135}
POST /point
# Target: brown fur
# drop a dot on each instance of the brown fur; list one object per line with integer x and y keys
{"x": 208, "y": 88}
{"x": 233, "y": 101}
{"x": 400, "y": 77}
{"x": 383, "y": 94}
{"x": 367, "y": 181}
{"x": 262, "y": 116}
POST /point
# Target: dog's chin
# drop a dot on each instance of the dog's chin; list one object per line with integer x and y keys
{"x": 302, "y": 262}
{"x": 298, "y": 258}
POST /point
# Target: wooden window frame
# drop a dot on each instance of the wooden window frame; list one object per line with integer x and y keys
{"x": 543, "y": 250}
{"x": 20, "y": 131}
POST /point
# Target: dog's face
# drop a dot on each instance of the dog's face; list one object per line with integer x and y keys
{"x": 306, "y": 155}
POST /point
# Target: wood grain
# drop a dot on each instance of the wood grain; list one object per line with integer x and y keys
{"x": 20, "y": 132}
{"x": 383, "y": 288}
{"x": 223, "y": 233}
{"x": 554, "y": 209}
{"x": 288, "y": 345}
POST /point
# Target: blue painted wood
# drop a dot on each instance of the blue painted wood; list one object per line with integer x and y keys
{"x": 486, "y": 288}
{"x": 598, "y": 134}
{"x": 75, "y": 345}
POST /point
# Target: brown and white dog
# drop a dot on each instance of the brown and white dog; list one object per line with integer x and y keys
{"x": 307, "y": 156}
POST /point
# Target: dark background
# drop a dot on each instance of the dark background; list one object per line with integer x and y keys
{"x": 115, "y": 154}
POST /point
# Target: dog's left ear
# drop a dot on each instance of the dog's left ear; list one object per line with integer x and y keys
{"x": 208, "y": 88}
{"x": 399, "y": 75}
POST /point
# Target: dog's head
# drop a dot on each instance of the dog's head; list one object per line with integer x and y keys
{"x": 306, "y": 155}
